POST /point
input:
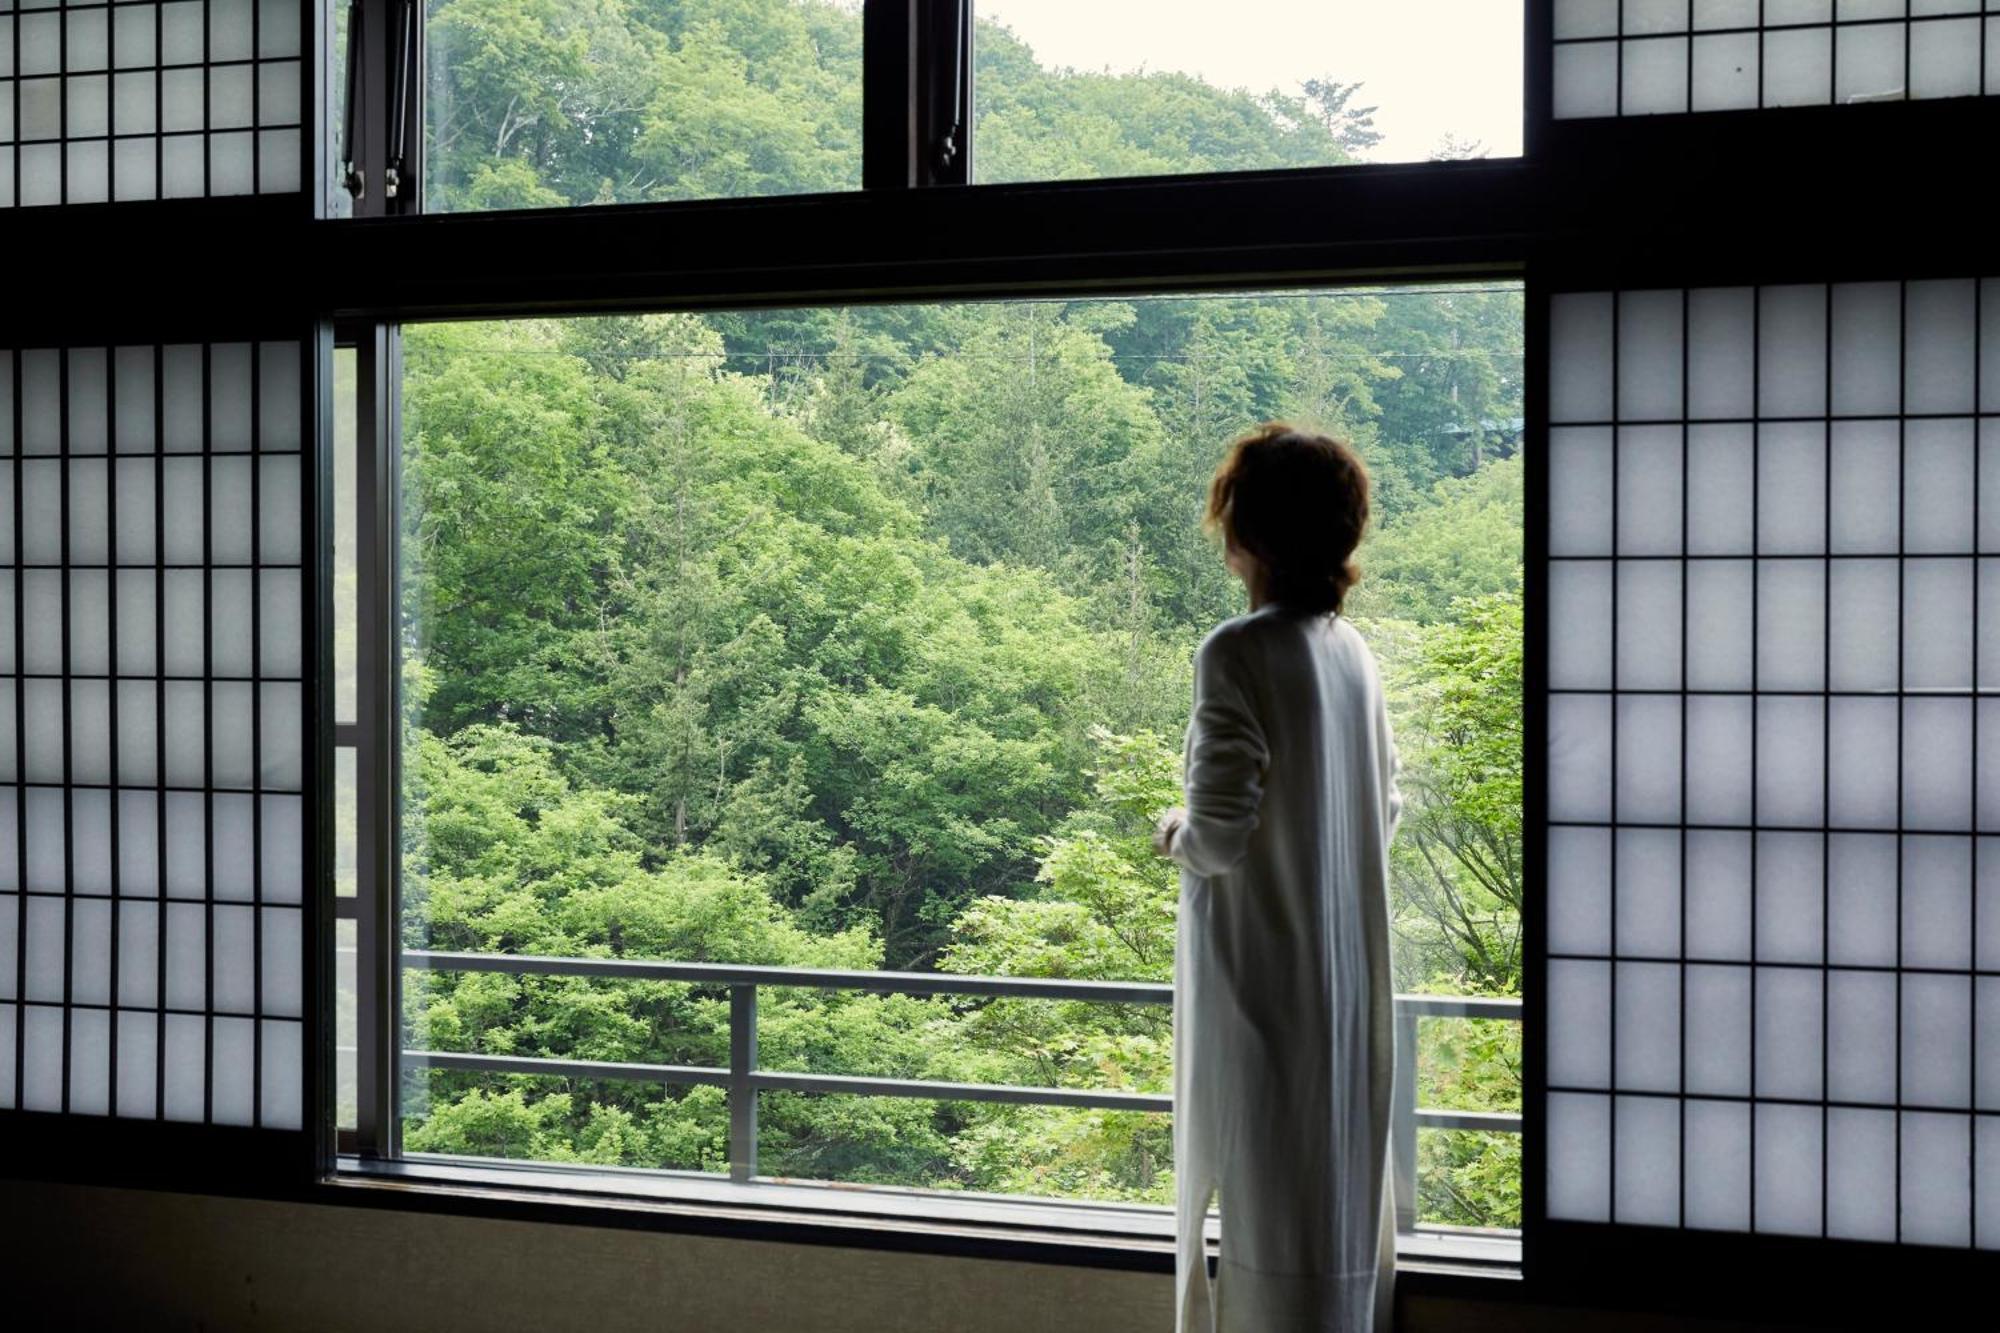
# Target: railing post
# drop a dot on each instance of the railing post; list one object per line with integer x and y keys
{"x": 742, "y": 1093}
{"x": 1403, "y": 1120}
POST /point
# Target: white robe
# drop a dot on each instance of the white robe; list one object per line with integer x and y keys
{"x": 1284, "y": 1040}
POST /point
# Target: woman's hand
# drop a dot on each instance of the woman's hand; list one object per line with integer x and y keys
{"x": 1163, "y": 831}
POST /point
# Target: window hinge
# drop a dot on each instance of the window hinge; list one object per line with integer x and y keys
{"x": 398, "y": 173}
{"x": 352, "y": 178}
{"x": 952, "y": 96}
{"x": 953, "y": 117}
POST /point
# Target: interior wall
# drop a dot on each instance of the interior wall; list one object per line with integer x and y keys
{"x": 76, "y": 1257}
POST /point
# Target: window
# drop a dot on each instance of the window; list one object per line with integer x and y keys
{"x": 1159, "y": 87}
{"x": 537, "y": 105}
{"x": 840, "y": 640}
{"x": 543, "y": 104}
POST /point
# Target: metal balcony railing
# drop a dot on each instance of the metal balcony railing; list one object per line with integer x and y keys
{"x": 744, "y": 1078}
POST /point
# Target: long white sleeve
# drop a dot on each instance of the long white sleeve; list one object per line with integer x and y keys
{"x": 1226, "y": 759}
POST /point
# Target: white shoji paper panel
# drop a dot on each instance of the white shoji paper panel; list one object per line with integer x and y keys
{"x": 1664, "y": 57}
{"x": 1774, "y": 768}
{"x": 152, "y": 724}
{"x": 153, "y": 99}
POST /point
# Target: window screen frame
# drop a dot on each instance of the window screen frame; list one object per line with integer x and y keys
{"x": 155, "y": 1151}
{"x": 310, "y": 57}
{"x": 1704, "y": 199}
{"x": 1619, "y": 1265}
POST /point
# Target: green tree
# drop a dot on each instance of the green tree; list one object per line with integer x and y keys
{"x": 1465, "y": 541}
{"x": 1104, "y": 910}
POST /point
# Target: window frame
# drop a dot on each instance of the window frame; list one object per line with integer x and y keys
{"x": 1823, "y": 193}
{"x": 371, "y": 1154}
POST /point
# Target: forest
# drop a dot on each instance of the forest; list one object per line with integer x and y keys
{"x": 861, "y": 638}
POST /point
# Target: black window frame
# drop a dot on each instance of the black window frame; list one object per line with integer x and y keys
{"x": 1809, "y": 194}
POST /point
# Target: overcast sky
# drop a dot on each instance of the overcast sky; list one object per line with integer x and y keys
{"x": 1433, "y": 66}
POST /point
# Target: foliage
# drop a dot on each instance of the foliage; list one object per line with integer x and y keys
{"x": 1467, "y": 543}
{"x": 1457, "y": 857}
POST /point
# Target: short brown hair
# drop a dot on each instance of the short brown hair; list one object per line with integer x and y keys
{"x": 1298, "y": 501}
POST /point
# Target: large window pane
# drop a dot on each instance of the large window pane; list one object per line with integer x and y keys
{"x": 543, "y": 103}
{"x": 1069, "y": 91}
{"x": 861, "y": 639}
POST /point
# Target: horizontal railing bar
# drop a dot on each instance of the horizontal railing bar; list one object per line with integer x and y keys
{"x": 853, "y": 1085}
{"x": 908, "y": 983}
{"x": 722, "y": 974}
{"x": 1459, "y": 1006}
{"x": 766, "y": 1080}
{"x": 609, "y": 1070}
{"x": 1498, "y": 1122}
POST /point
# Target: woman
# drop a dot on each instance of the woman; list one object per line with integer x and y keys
{"x": 1284, "y": 1049}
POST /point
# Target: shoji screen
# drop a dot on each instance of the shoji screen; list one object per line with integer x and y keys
{"x": 1773, "y": 631}
{"x": 149, "y": 100}
{"x": 1648, "y": 57}
{"x": 153, "y": 731}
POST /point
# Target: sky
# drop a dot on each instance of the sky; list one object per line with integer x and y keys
{"x": 1432, "y": 66}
